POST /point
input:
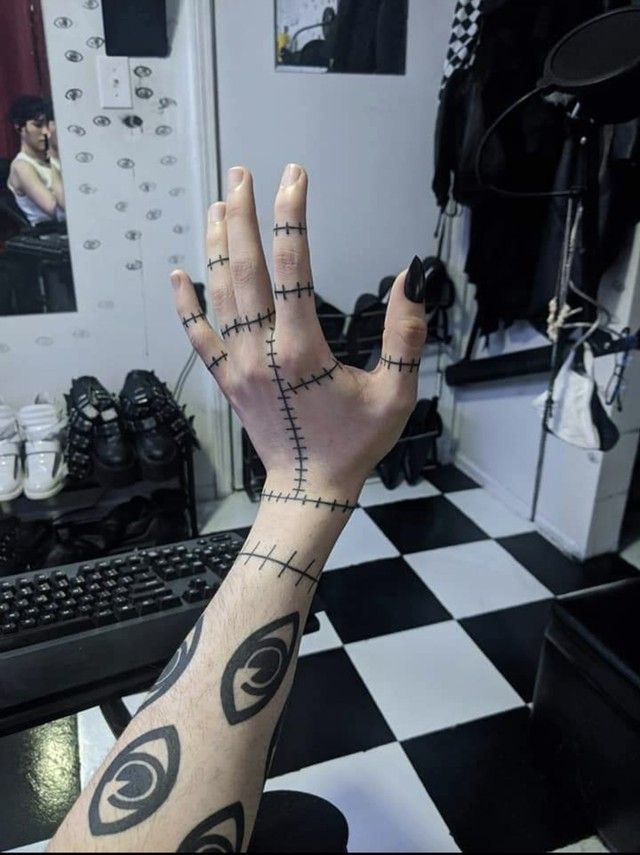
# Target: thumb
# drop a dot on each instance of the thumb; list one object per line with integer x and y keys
{"x": 405, "y": 330}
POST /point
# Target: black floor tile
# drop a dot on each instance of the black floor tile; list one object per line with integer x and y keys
{"x": 559, "y": 573}
{"x": 40, "y": 781}
{"x": 377, "y": 598}
{"x": 494, "y": 790}
{"x": 330, "y": 714}
{"x": 417, "y": 524}
{"x": 449, "y": 479}
{"x": 512, "y": 639}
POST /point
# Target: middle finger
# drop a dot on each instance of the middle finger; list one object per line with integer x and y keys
{"x": 249, "y": 273}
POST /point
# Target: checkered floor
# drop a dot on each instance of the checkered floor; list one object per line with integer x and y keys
{"x": 410, "y": 706}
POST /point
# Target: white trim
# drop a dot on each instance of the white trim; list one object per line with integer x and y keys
{"x": 205, "y": 171}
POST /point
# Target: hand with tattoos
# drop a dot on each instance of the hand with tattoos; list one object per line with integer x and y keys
{"x": 187, "y": 773}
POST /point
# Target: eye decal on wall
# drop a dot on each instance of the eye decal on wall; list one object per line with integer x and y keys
{"x": 78, "y": 130}
{"x": 121, "y": 206}
{"x": 4, "y": 348}
{"x": 176, "y": 191}
{"x": 179, "y": 230}
{"x": 106, "y": 304}
{"x": 154, "y": 214}
{"x": 147, "y": 186}
{"x": 101, "y": 121}
{"x": 73, "y": 94}
{"x": 90, "y": 4}
{"x": 168, "y": 160}
{"x": 126, "y": 163}
{"x": 81, "y": 334}
{"x": 44, "y": 340}
{"x": 134, "y": 265}
{"x": 164, "y": 130}
{"x": 133, "y": 234}
{"x": 92, "y": 244}
{"x": 144, "y": 92}
{"x": 63, "y": 23}
{"x": 87, "y": 189}
{"x": 84, "y": 157}
{"x": 142, "y": 71}
{"x": 132, "y": 121}
{"x": 175, "y": 259}
{"x": 165, "y": 102}
{"x": 74, "y": 55}
{"x": 95, "y": 42}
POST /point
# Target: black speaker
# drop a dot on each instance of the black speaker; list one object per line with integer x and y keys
{"x": 135, "y": 28}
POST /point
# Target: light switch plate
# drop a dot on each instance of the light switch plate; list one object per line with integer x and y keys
{"x": 114, "y": 82}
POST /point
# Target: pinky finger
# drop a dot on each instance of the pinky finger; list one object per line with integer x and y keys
{"x": 204, "y": 340}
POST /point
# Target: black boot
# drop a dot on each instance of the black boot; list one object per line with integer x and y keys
{"x": 158, "y": 426}
{"x": 97, "y": 444}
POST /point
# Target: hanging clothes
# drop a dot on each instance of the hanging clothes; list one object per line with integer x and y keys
{"x": 507, "y": 235}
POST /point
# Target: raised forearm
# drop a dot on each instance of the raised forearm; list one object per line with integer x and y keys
{"x": 57, "y": 189}
{"x": 207, "y": 728}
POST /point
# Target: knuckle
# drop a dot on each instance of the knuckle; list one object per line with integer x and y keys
{"x": 413, "y": 331}
{"x": 244, "y": 270}
{"x": 287, "y": 259}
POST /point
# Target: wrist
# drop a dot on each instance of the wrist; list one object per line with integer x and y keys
{"x": 342, "y": 493}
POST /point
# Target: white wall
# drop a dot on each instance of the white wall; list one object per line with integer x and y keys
{"x": 125, "y": 315}
{"x": 366, "y": 141}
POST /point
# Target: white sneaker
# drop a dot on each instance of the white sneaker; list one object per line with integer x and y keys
{"x": 11, "y": 475}
{"x": 43, "y": 427}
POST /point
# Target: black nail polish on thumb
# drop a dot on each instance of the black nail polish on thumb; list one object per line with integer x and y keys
{"x": 414, "y": 284}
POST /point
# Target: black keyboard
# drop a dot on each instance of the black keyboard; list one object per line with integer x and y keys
{"x": 69, "y": 627}
{"x": 54, "y": 247}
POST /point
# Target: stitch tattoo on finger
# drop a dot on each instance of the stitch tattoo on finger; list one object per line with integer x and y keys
{"x": 289, "y": 228}
{"x": 219, "y": 260}
{"x": 193, "y": 319}
{"x": 298, "y": 290}
{"x": 216, "y": 360}
{"x": 256, "y": 670}
{"x": 239, "y": 325}
{"x": 401, "y": 364}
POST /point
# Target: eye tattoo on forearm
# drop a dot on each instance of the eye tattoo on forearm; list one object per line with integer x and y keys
{"x": 221, "y": 832}
{"x": 136, "y": 783}
{"x": 176, "y": 667}
{"x": 256, "y": 670}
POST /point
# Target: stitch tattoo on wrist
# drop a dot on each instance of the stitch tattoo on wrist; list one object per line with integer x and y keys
{"x": 401, "y": 364}
{"x": 256, "y": 670}
{"x": 219, "y": 260}
{"x": 221, "y": 832}
{"x": 300, "y": 572}
{"x": 238, "y": 325}
{"x": 298, "y": 290}
{"x": 176, "y": 667}
{"x": 312, "y": 501}
{"x": 136, "y": 783}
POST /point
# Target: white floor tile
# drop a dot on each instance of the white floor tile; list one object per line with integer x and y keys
{"x": 360, "y": 541}
{"x": 375, "y": 493}
{"x": 430, "y": 678}
{"x": 589, "y": 844}
{"x": 379, "y": 793}
{"x": 326, "y": 638}
{"x": 489, "y": 513}
{"x": 234, "y": 511}
{"x": 631, "y": 553}
{"x": 32, "y": 847}
{"x": 95, "y": 740}
{"x": 473, "y": 578}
